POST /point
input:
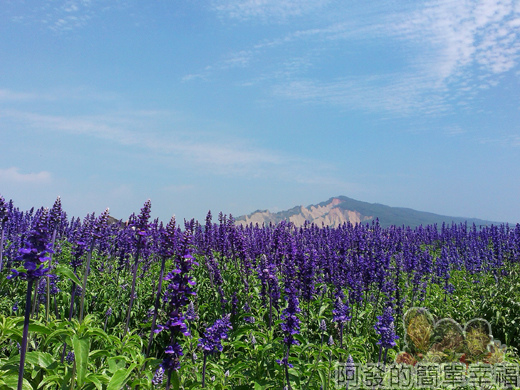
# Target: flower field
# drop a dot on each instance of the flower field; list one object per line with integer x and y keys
{"x": 93, "y": 304}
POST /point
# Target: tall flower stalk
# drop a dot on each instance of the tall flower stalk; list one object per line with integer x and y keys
{"x": 54, "y": 221}
{"x": 166, "y": 250}
{"x": 4, "y": 215}
{"x": 212, "y": 341}
{"x": 141, "y": 232}
{"x": 34, "y": 253}
{"x": 177, "y": 294}
{"x": 386, "y": 330}
{"x": 291, "y": 322}
{"x": 97, "y": 233}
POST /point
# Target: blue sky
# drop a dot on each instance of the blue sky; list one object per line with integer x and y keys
{"x": 238, "y": 105}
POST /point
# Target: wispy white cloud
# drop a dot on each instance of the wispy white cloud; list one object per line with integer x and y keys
{"x": 508, "y": 140}
{"x": 450, "y": 51}
{"x": 77, "y": 93}
{"x": 400, "y": 94}
{"x": 223, "y": 155}
{"x": 7, "y": 95}
{"x": 465, "y": 33}
{"x": 454, "y": 131}
{"x": 267, "y": 10}
{"x": 60, "y": 16}
{"x": 240, "y": 59}
{"x": 13, "y": 175}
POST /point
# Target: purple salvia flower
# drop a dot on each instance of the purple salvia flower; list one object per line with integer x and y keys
{"x": 166, "y": 250}
{"x": 248, "y": 319}
{"x": 386, "y": 330}
{"x": 178, "y": 294}
{"x": 4, "y": 213}
{"x": 211, "y": 342}
{"x": 291, "y": 324}
{"x": 4, "y": 216}
{"x": 191, "y": 315}
{"x": 55, "y": 214}
{"x": 141, "y": 227}
{"x": 158, "y": 377}
{"x": 35, "y": 251}
{"x": 70, "y": 357}
{"x": 33, "y": 254}
{"x": 323, "y": 326}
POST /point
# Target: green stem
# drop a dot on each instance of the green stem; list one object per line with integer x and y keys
{"x": 48, "y": 301}
{"x": 83, "y": 291}
{"x": 156, "y": 306}
{"x": 23, "y": 348}
{"x": 136, "y": 266}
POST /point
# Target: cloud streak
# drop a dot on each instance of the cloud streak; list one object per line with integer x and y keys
{"x": 450, "y": 50}
{"x": 267, "y": 10}
{"x": 13, "y": 175}
{"x": 230, "y": 157}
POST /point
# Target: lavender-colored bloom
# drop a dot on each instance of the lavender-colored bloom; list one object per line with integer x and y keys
{"x": 4, "y": 213}
{"x": 385, "y": 328}
{"x": 341, "y": 312}
{"x": 140, "y": 224}
{"x": 178, "y": 293}
{"x": 35, "y": 251}
{"x": 101, "y": 225}
{"x": 4, "y": 216}
{"x": 234, "y": 304}
{"x": 55, "y": 214}
{"x": 323, "y": 326}
{"x": 248, "y": 319}
{"x": 211, "y": 342}
{"x": 70, "y": 357}
{"x": 350, "y": 368}
{"x": 191, "y": 315}
{"x": 330, "y": 343}
{"x": 108, "y": 313}
{"x": 284, "y": 362}
{"x": 291, "y": 324}
{"x": 158, "y": 377}
{"x": 42, "y": 288}
{"x": 173, "y": 353}
{"x": 15, "y": 307}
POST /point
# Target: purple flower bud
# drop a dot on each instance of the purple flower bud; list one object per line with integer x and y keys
{"x": 212, "y": 340}
{"x": 158, "y": 377}
{"x": 323, "y": 326}
{"x": 70, "y": 357}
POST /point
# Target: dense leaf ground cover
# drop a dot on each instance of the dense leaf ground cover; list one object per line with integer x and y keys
{"x": 88, "y": 305}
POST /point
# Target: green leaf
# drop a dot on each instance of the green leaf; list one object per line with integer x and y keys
{"x": 99, "y": 353}
{"x": 11, "y": 382}
{"x": 116, "y": 363}
{"x": 94, "y": 378}
{"x": 81, "y": 347}
{"x": 120, "y": 377}
{"x": 175, "y": 380}
{"x": 67, "y": 272}
{"x": 40, "y": 359}
{"x": 261, "y": 385}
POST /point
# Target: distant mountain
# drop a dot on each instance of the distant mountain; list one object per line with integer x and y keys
{"x": 341, "y": 209}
